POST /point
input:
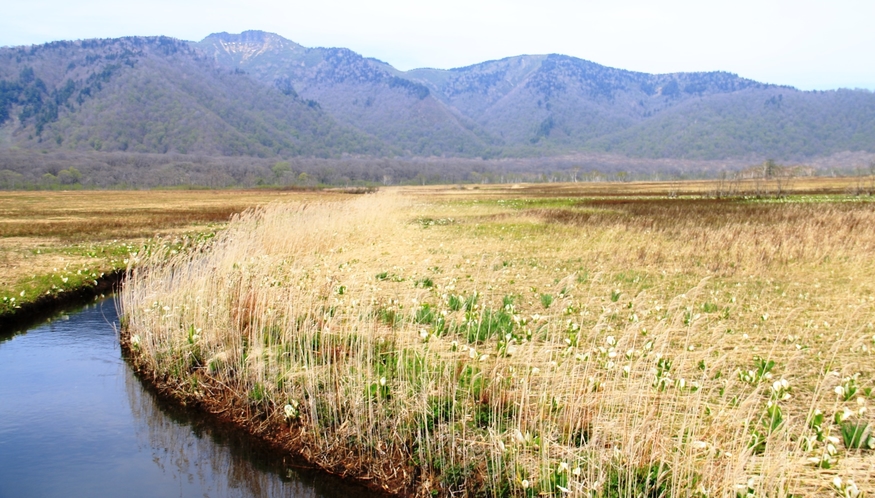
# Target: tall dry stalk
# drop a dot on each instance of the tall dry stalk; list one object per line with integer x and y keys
{"x": 442, "y": 347}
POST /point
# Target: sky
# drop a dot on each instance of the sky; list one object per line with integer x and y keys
{"x": 808, "y": 44}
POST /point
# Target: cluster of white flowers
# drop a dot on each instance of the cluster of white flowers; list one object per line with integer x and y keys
{"x": 846, "y": 489}
{"x": 781, "y": 389}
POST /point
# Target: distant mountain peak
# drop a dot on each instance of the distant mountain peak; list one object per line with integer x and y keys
{"x": 249, "y": 36}
{"x": 252, "y": 43}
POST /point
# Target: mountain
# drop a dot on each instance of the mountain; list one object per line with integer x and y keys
{"x": 555, "y": 104}
{"x": 259, "y": 94}
{"x": 774, "y": 122}
{"x": 565, "y": 101}
{"x": 157, "y": 95}
{"x": 366, "y": 93}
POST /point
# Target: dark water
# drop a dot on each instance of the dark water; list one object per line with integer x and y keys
{"x": 75, "y": 421}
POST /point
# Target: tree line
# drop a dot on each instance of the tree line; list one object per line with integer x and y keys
{"x": 25, "y": 169}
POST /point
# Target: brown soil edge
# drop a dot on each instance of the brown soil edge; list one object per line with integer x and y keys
{"x": 226, "y": 409}
{"x": 46, "y": 306}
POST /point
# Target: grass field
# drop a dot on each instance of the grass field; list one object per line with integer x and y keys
{"x": 591, "y": 340}
{"x": 51, "y": 242}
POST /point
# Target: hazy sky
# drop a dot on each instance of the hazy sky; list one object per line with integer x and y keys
{"x": 810, "y": 44}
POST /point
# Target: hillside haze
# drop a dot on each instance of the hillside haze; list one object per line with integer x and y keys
{"x": 259, "y": 94}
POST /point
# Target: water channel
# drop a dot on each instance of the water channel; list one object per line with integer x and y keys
{"x": 75, "y": 421}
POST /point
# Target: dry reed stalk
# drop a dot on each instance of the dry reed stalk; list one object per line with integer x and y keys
{"x": 441, "y": 349}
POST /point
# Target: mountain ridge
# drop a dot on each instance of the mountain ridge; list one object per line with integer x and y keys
{"x": 156, "y": 94}
{"x": 259, "y": 94}
{"x": 554, "y": 104}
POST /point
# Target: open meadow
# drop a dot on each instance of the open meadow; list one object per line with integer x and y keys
{"x": 52, "y": 242}
{"x": 673, "y": 339}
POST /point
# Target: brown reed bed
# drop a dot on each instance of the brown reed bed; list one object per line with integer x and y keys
{"x": 463, "y": 346}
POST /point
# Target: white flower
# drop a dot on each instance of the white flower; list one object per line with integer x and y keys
{"x": 610, "y": 340}
{"x": 562, "y": 467}
{"x": 525, "y": 483}
{"x": 518, "y": 436}
{"x": 382, "y": 381}
{"x": 472, "y": 353}
{"x": 851, "y": 490}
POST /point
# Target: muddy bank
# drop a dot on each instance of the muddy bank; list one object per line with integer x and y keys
{"x": 273, "y": 434}
{"x": 47, "y": 306}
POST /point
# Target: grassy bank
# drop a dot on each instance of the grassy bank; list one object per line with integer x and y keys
{"x": 513, "y": 342}
{"x": 55, "y": 243}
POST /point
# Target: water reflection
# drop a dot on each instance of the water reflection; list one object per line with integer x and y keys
{"x": 188, "y": 447}
{"x": 75, "y": 421}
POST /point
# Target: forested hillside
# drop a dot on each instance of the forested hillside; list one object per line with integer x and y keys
{"x": 554, "y": 104}
{"x": 259, "y": 94}
{"x": 776, "y": 122}
{"x": 366, "y": 93}
{"x": 156, "y": 95}
{"x": 566, "y": 101}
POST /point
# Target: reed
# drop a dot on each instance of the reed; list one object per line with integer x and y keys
{"x": 488, "y": 347}
{"x": 54, "y": 242}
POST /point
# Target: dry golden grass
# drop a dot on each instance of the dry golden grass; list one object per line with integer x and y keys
{"x": 51, "y": 241}
{"x": 749, "y": 187}
{"x": 512, "y": 342}
{"x": 113, "y": 214}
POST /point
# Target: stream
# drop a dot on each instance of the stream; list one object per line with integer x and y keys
{"x": 76, "y": 421}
